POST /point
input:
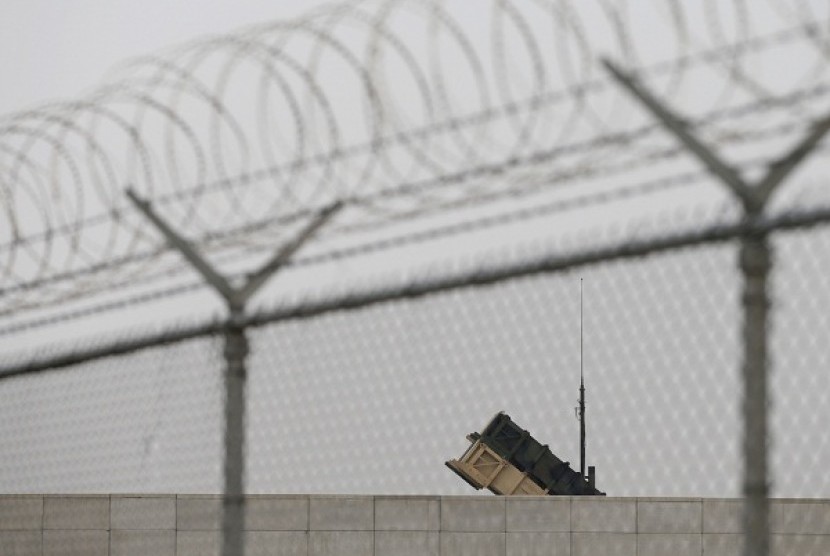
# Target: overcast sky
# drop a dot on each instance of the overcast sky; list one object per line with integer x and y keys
{"x": 52, "y": 50}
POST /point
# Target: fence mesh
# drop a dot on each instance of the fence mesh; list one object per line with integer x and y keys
{"x": 146, "y": 422}
{"x": 799, "y": 381}
{"x": 373, "y": 400}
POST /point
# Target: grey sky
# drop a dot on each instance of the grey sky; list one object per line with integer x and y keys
{"x": 57, "y": 49}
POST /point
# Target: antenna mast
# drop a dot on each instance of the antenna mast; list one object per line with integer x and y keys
{"x": 581, "y": 392}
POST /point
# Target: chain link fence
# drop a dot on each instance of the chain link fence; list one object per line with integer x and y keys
{"x": 372, "y": 400}
{"x": 370, "y": 392}
{"x": 150, "y": 421}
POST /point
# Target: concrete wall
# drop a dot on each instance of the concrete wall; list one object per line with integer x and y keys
{"x": 187, "y": 525}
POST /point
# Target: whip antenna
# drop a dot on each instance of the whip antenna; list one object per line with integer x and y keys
{"x": 581, "y": 408}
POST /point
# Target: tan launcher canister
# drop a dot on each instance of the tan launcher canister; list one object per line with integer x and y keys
{"x": 483, "y": 468}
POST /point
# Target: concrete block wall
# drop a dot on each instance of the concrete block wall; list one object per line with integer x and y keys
{"x": 188, "y": 525}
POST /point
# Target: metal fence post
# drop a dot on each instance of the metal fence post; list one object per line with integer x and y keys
{"x": 755, "y": 265}
{"x": 233, "y": 514}
{"x": 236, "y": 350}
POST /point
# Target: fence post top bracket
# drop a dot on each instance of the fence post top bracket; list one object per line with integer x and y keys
{"x": 754, "y": 197}
{"x": 235, "y": 297}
